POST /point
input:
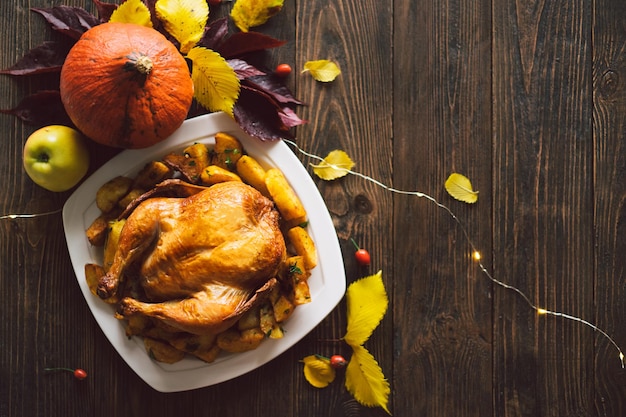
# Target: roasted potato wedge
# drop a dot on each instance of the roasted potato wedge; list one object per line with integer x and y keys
{"x": 214, "y": 174}
{"x": 97, "y": 231}
{"x": 198, "y": 152}
{"x": 252, "y": 173}
{"x": 109, "y": 194}
{"x": 287, "y": 202}
{"x": 151, "y": 174}
{"x": 129, "y": 197}
{"x": 137, "y": 325}
{"x": 268, "y": 324}
{"x": 161, "y": 351}
{"x": 208, "y": 355}
{"x": 297, "y": 278}
{"x": 301, "y": 291}
{"x": 227, "y": 151}
{"x": 303, "y": 245}
{"x": 201, "y": 346}
{"x": 282, "y": 308}
{"x": 232, "y": 340}
{"x": 299, "y": 222}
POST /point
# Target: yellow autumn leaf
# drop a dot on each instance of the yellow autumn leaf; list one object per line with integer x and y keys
{"x": 336, "y": 165}
{"x": 250, "y": 13}
{"x": 367, "y": 303}
{"x": 460, "y": 187}
{"x": 365, "y": 380}
{"x": 132, "y": 11}
{"x": 322, "y": 70}
{"x": 318, "y": 371}
{"x": 184, "y": 20}
{"x": 216, "y": 86}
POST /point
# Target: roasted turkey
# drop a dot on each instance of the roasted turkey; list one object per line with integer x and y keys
{"x": 202, "y": 260}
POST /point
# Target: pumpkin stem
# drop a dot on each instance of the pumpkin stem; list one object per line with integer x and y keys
{"x": 140, "y": 63}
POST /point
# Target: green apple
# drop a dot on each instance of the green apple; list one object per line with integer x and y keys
{"x": 56, "y": 157}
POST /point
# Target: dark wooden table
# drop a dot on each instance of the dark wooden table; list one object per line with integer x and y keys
{"x": 527, "y": 99}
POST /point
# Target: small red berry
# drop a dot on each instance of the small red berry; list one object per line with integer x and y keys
{"x": 80, "y": 374}
{"x": 362, "y": 256}
{"x": 283, "y": 70}
{"x": 338, "y": 361}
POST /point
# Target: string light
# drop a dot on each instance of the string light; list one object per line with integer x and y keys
{"x": 29, "y": 216}
{"x": 475, "y": 253}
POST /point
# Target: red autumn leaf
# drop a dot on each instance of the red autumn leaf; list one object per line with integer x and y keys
{"x": 242, "y": 43}
{"x": 47, "y": 57}
{"x": 41, "y": 109}
{"x": 71, "y": 21}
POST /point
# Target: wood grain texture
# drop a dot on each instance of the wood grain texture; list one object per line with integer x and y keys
{"x": 609, "y": 106}
{"x": 442, "y": 124}
{"x": 526, "y": 98}
{"x": 543, "y": 218}
{"x": 353, "y": 114}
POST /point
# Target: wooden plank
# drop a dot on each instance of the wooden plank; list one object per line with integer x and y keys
{"x": 543, "y": 217}
{"x": 354, "y": 114}
{"x": 442, "y": 122}
{"x": 609, "y": 99}
{"x": 34, "y": 275}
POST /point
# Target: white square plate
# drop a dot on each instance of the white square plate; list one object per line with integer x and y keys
{"x": 327, "y": 282}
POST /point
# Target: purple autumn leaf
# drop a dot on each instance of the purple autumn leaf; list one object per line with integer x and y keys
{"x": 273, "y": 86}
{"x": 242, "y": 43}
{"x": 214, "y": 34}
{"x": 47, "y": 57}
{"x": 105, "y": 10}
{"x": 289, "y": 118}
{"x": 243, "y": 69}
{"x": 256, "y": 114}
{"x": 71, "y": 21}
{"x": 41, "y": 109}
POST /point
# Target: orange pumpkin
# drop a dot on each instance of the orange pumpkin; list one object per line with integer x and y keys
{"x": 126, "y": 85}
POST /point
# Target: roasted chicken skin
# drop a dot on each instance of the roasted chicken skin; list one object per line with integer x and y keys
{"x": 203, "y": 260}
